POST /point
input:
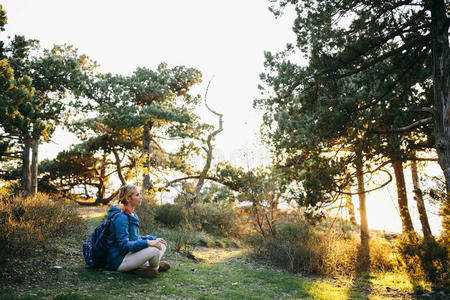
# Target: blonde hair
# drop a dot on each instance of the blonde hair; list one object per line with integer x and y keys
{"x": 125, "y": 191}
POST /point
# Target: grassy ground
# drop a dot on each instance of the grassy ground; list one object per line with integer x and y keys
{"x": 220, "y": 274}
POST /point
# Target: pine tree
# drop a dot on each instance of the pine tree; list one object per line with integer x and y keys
{"x": 343, "y": 38}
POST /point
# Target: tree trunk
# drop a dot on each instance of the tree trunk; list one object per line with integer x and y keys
{"x": 146, "y": 184}
{"x": 349, "y": 205}
{"x": 118, "y": 166}
{"x": 100, "y": 193}
{"x": 86, "y": 191}
{"x": 209, "y": 157}
{"x": 111, "y": 197}
{"x": 203, "y": 174}
{"x": 34, "y": 165}
{"x": 209, "y": 150}
{"x": 101, "y": 185}
{"x": 407, "y": 225}
{"x": 275, "y": 201}
{"x": 445, "y": 214}
{"x": 419, "y": 199}
{"x": 364, "y": 251}
{"x": 26, "y": 171}
{"x": 362, "y": 202}
{"x": 441, "y": 84}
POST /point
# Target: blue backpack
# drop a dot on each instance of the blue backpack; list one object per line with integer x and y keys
{"x": 95, "y": 249}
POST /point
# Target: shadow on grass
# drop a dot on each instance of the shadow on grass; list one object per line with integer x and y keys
{"x": 362, "y": 282}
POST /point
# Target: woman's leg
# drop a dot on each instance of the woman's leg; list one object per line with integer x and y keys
{"x": 154, "y": 260}
{"x": 134, "y": 260}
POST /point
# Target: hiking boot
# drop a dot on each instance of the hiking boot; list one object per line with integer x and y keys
{"x": 163, "y": 266}
{"x": 147, "y": 272}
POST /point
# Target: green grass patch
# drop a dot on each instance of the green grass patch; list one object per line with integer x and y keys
{"x": 399, "y": 281}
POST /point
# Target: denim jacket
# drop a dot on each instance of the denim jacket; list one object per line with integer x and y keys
{"x": 123, "y": 236}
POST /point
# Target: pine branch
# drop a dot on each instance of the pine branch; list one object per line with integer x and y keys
{"x": 405, "y": 128}
{"x": 379, "y": 58}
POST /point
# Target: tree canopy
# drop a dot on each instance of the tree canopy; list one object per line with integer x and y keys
{"x": 342, "y": 39}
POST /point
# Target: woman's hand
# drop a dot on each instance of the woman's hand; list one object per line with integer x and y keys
{"x": 162, "y": 241}
{"x": 155, "y": 244}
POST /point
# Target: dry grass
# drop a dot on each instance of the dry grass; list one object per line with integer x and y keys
{"x": 305, "y": 249}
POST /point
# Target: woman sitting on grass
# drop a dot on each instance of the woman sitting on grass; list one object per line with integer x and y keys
{"x": 127, "y": 250}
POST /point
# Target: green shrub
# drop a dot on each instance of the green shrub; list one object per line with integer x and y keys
{"x": 146, "y": 213}
{"x": 233, "y": 243}
{"x": 220, "y": 243}
{"x": 177, "y": 238}
{"x": 206, "y": 241}
{"x": 216, "y": 219}
{"x": 288, "y": 249}
{"x": 425, "y": 258}
{"x": 170, "y": 215}
{"x": 29, "y": 223}
{"x": 180, "y": 240}
{"x": 382, "y": 255}
{"x": 18, "y": 239}
{"x": 227, "y": 243}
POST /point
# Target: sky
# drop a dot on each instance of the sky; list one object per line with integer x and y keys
{"x": 225, "y": 40}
